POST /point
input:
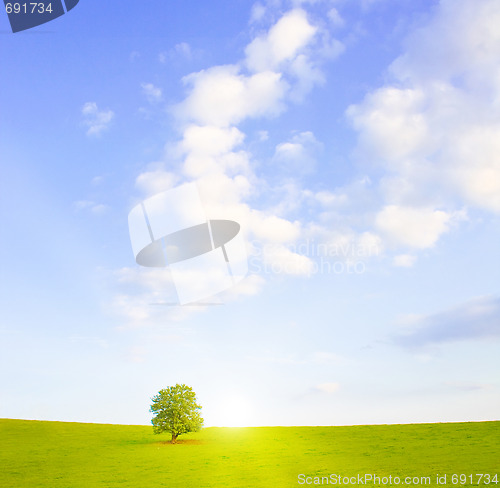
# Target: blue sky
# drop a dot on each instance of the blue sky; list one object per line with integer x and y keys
{"x": 357, "y": 144}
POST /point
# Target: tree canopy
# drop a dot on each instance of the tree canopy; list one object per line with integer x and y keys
{"x": 177, "y": 411}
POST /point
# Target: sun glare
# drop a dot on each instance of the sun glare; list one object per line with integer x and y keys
{"x": 235, "y": 411}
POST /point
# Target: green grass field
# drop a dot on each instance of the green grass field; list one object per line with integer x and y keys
{"x": 56, "y": 454}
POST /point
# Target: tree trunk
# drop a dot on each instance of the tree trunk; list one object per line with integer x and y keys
{"x": 174, "y": 438}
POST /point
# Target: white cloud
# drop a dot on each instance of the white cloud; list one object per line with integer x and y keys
{"x": 250, "y": 286}
{"x": 131, "y": 307}
{"x": 475, "y": 170}
{"x": 404, "y": 260}
{"x": 461, "y": 39}
{"x": 436, "y": 127}
{"x": 307, "y": 74}
{"x": 182, "y": 50}
{"x": 222, "y": 195}
{"x": 282, "y": 43}
{"x": 96, "y": 208}
{"x": 163, "y": 57}
{"x": 284, "y": 63}
{"x": 152, "y": 92}
{"x": 263, "y": 135}
{"x": 198, "y": 166}
{"x": 223, "y": 96}
{"x": 281, "y": 260}
{"x": 96, "y": 120}
{"x": 335, "y": 17}
{"x": 257, "y": 13}
{"x": 289, "y": 151}
{"x": 212, "y": 152}
{"x": 146, "y": 297}
{"x": 386, "y": 112}
{"x": 219, "y": 98}
{"x": 414, "y": 227}
{"x": 139, "y": 310}
{"x": 328, "y": 198}
{"x": 368, "y": 244}
{"x": 341, "y": 245}
{"x": 299, "y": 153}
{"x": 211, "y": 140}
{"x": 274, "y": 229}
{"x": 147, "y": 278}
{"x": 155, "y": 180}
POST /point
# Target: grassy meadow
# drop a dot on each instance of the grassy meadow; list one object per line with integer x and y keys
{"x": 73, "y": 455}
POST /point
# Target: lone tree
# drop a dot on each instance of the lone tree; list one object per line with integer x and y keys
{"x": 176, "y": 411}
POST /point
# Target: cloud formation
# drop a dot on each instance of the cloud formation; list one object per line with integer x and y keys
{"x": 281, "y": 64}
{"x": 429, "y": 137}
{"x": 223, "y": 96}
{"x": 435, "y": 128}
{"x": 152, "y": 93}
{"x": 94, "y": 207}
{"x": 278, "y": 64}
{"x": 412, "y": 227}
{"x": 96, "y": 120}
{"x": 476, "y": 319}
{"x": 282, "y": 43}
